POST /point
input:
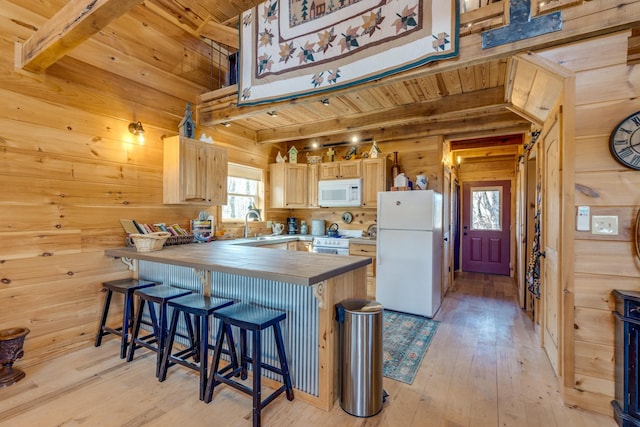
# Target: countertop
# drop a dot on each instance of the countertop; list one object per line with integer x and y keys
{"x": 363, "y": 241}
{"x": 303, "y": 268}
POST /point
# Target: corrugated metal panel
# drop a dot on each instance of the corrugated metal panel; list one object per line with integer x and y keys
{"x": 300, "y": 329}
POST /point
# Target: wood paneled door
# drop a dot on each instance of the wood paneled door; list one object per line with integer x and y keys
{"x": 550, "y": 230}
{"x": 486, "y": 227}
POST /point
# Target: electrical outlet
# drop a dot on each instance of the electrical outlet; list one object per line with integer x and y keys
{"x": 601, "y": 224}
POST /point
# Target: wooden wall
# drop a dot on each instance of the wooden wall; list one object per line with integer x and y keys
{"x": 607, "y": 91}
{"x": 69, "y": 171}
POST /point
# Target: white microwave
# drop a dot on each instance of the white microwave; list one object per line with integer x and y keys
{"x": 340, "y": 192}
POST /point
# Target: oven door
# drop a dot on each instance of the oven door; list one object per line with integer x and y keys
{"x": 328, "y": 250}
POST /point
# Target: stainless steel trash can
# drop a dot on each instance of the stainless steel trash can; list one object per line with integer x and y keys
{"x": 361, "y": 356}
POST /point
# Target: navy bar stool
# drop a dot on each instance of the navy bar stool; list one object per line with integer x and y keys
{"x": 155, "y": 341}
{"x": 126, "y": 287}
{"x": 201, "y": 307}
{"x": 255, "y": 319}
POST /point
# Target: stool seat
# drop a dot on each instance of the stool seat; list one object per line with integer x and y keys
{"x": 156, "y": 340}
{"x": 127, "y": 287}
{"x": 199, "y": 304}
{"x": 201, "y": 307}
{"x": 251, "y": 317}
{"x": 255, "y": 319}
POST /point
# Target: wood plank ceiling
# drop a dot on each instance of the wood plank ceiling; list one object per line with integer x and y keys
{"x": 168, "y": 44}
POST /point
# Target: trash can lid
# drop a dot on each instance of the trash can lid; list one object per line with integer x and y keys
{"x": 361, "y": 306}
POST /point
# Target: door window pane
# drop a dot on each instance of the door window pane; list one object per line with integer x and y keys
{"x": 485, "y": 208}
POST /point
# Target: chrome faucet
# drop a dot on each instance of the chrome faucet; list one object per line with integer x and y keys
{"x": 251, "y": 212}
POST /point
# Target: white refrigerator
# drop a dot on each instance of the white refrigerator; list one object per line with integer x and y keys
{"x": 409, "y": 251}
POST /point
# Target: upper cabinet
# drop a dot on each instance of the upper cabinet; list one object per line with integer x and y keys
{"x": 195, "y": 172}
{"x": 288, "y": 184}
{"x": 340, "y": 170}
{"x": 375, "y": 178}
{"x": 312, "y": 185}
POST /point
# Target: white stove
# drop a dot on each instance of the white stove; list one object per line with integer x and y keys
{"x": 335, "y": 245}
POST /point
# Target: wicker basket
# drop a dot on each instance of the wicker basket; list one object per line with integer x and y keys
{"x": 149, "y": 242}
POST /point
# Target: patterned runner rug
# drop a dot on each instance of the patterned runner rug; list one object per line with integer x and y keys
{"x": 405, "y": 338}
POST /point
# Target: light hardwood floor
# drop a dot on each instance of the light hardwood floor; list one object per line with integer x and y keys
{"x": 483, "y": 368}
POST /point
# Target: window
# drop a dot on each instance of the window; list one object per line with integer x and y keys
{"x": 485, "y": 208}
{"x": 244, "y": 188}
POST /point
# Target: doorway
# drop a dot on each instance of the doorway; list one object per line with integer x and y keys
{"x": 486, "y": 227}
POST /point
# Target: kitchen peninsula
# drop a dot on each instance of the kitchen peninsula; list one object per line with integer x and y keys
{"x": 305, "y": 285}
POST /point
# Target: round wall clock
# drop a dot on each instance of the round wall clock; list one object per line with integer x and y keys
{"x": 625, "y": 142}
{"x": 347, "y": 217}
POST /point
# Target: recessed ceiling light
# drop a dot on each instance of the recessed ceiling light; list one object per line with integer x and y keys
{"x": 354, "y": 139}
{"x": 325, "y": 101}
{"x": 273, "y": 113}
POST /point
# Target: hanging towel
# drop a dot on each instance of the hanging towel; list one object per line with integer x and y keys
{"x": 533, "y": 268}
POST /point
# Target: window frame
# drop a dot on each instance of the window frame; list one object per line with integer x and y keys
{"x": 238, "y": 170}
{"x": 487, "y": 188}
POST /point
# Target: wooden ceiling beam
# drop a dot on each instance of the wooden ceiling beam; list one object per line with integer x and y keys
{"x": 221, "y": 34}
{"x": 487, "y": 141}
{"x": 404, "y": 115}
{"x": 71, "y": 26}
{"x": 495, "y": 123}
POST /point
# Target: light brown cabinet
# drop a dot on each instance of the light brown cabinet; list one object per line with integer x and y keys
{"x": 361, "y": 249}
{"x": 375, "y": 178}
{"x": 312, "y": 184}
{"x": 304, "y": 246}
{"x": 340, "y": 170}
{"x": 286, "y": 246}
{"x": 195, "y": 172}
{"x": 288, "y": 185}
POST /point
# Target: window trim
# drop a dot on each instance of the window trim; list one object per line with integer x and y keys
{"x": 238, "y": 170}
{"x": 485, "y": 188}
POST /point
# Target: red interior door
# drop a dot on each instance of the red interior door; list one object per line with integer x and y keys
{"x": 486, "y": 226}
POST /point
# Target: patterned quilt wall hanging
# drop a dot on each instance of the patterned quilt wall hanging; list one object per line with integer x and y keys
{"x": 292, "y": 48}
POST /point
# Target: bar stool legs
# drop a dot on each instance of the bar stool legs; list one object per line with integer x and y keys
{"x": 155, "y": 341}
{"x": 127, "y": 287}
{"x": 254, "y": 319}
{"x": 201, "y": 307}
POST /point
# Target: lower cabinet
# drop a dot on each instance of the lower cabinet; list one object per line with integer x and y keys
{"x": 360, "y": 249}
{"x": 304, "y": 246}
{"x": 287, "y": 246}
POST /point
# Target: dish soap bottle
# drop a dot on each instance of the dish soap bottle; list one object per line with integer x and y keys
{"x": 303, "y": 227}
{"x": 395, "y": 168}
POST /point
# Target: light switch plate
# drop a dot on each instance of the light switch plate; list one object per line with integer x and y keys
{"x": 604, "y": 224}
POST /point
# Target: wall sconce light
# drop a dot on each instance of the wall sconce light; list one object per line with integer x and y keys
{"x": 325, "y": 101}
{"x": 137, "y": 129}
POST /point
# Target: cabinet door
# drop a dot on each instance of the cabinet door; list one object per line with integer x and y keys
{"x": 295, "y": 185}
{"x": 350, "y": 169}
{"x": 193, "y": 166}
{"x": 374, "y": 179}
{"x": 312, "y": 185}
{"x": 216, "y": 175}
{"x": 329, "y": 171}
{"x": 365, "y": 250}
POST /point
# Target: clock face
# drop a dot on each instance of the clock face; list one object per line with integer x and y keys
{"x": 625, "y": 142}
